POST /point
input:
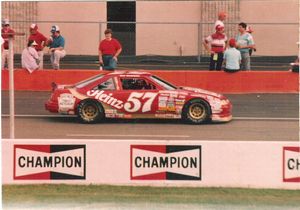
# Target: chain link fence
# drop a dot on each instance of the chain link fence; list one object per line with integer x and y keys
{"x": 166, "y": 40}
{"x": 162, "y": 39}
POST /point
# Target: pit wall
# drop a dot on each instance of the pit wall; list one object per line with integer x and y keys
{"x": 222, "y": 82}
{"x": 248, "y": 164}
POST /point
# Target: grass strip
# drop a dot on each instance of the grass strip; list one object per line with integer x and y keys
{"x": 60, "y": 193}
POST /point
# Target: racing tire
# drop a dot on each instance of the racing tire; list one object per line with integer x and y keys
{"x": 196, "y": 111}
{"x": 90, "y": 111}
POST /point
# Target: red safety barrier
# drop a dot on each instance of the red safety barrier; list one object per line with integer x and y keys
{"x": 239, "y": 82}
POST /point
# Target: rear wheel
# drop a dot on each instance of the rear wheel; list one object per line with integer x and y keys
{"x": 90, "y": 111}
{"x": 196, "y": 111}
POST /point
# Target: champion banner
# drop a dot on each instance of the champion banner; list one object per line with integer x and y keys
{"x": 49, "y": 162}
{"x": 165, "y": 162}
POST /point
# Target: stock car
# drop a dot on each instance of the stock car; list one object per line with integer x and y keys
{"x": 130, "y": 95}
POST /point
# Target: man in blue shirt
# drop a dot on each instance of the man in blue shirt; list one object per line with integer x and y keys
{"x": 245, "y": 42}
{"x": 56, "y": 47}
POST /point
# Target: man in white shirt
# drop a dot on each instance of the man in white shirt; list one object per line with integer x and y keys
{"x": 30, "y": 57}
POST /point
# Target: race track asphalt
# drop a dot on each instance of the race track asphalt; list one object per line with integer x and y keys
{"x": 257, "y": 117}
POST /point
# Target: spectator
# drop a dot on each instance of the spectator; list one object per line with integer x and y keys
{"x": 295, "y": 65}
{"x": 245, "y": 42}
{"x": 6, "y": 34}
{"x": 2, "y": 42}
{"x": 109, "y": 50}
{"x": 250, "y": 31}
{"x": 232, "y": 58}
{"x": 30, "y": 57}
{"x": 221, "y": 19}
{"x": 56, "y": 45}
{"x": 41, "y": 41}
{"x": 215, "y": 44}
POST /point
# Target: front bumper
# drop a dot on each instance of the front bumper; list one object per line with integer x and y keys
{"x": 225, "y": 115}
{"x": 218, "y": 118}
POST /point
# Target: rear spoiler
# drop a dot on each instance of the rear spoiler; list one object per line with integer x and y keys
{"x": 56, "y": 86}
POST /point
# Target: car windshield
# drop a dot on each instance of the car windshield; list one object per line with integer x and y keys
{"x": 88, "y": 81}
{"x": 163, "y": 83}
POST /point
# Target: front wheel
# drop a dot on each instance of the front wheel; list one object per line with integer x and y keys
{"x": 196, "y": 112}
{"x": 90, "y": 111}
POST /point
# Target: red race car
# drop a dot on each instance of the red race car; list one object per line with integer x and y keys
{"x": 137, "y": 95}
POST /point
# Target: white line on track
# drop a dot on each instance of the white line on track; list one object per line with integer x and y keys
{"x": 265, "y": 118}
{"x": 114, "y": 135}
{"x": 40, "y": 115}
{"x": 235, "y": 118}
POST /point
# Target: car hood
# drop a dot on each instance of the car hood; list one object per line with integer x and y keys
{"x": 202, "y": 91}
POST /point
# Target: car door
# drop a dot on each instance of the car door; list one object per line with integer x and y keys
{"x": 105, "y": 91}
{"x": 139, "y": 96}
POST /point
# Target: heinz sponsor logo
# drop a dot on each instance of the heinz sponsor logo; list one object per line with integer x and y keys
{"x": 291, "y": 164}
{"x": 165, "y": 162}
{"x": 106, "y": 98}
{"x": 42, "y": 162}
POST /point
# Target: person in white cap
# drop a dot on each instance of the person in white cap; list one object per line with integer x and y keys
{"x": 215, "y": 44}
{"x": 30, "y": 57}
{"x": 56, "y": 45}
{"x": 41, "y": 41}
{"x": 6, "y": 32}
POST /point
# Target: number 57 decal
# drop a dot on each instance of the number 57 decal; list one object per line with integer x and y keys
{"x": 134, "y": 104}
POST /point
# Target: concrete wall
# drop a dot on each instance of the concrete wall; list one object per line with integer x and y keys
{"x": 279, "y": 39}
{"x": 81, "y": 38}
{"x": 167, "y": 39}
{"x": 271, "y": 39}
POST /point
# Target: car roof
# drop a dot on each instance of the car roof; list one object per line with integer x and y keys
{"x": 130, "y": 73}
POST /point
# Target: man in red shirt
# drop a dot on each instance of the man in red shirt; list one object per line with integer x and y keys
{"x": 41, "y": 41}
{"x": 6, "y": 33}
{"x": 109, "y": 50}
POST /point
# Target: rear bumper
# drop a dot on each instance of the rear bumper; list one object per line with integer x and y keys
{"x": 51, "y": 107}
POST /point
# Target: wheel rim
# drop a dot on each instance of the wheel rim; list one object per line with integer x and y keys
{"x": 197, "y": 111}
{"x": 89, "y": 111}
